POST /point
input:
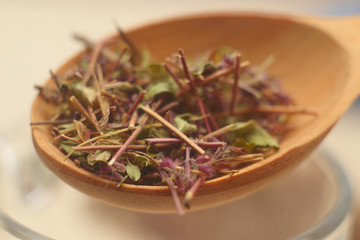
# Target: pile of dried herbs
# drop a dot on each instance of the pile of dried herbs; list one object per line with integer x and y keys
{"x": 182, "y": 122}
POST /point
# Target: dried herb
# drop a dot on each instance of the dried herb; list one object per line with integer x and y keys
{"x": 129, "y": 119}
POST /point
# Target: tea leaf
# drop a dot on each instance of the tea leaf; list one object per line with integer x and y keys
{"x": 133, "y": 171}
{"x": 143, "y": 161}
{"x": 254, "y": 133}
{"x": 158, "y": 88}
{"x": 184, "y": 126}
{"x": 98, "y": 156}
{"x": 151, "y": 151}
{"x": 66, "y": 147}
{"x": 81, "y": 130}
{"x": 190, "y": 117}
{"x": 157, "y": 72}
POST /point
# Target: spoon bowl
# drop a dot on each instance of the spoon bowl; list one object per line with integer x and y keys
{"x": 316, "y": 59}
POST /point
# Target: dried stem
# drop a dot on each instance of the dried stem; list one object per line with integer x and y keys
{"x": 176, "y": 79}
{"x": 173, "y": 129}
{"x": 192, "y": 191}
{"x": 177, "y": 140}
{"x": 110, "y": 95}
{"x": 219, "y": 132}
{"x": 136, "y": 103}
{"x": 168, "y": 107}
{"x": 94, "y": 58}
{"x": 193, "y": 89}
{"x": 83, "y": 111}
{"x": 126, "y": 144}
{"x": 106, "y": 52}
{"x": 220, "y": 73}
{"x": 235, "y": 88}
{"x": 132, "y": 137}
{"x": 135, "y": 54}
{"x": 173, "y": 192}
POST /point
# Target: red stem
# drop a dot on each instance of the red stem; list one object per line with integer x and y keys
{"x": 136, "y": 103}
{"x": 173, "y": 192}
{"x": 193, "y": 88}
{"x": 235, "y": 88}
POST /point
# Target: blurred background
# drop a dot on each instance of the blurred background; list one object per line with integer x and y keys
{"x": 36, "y": 36}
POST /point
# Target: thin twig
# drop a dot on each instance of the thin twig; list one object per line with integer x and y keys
{"x": 126, "y": 144}
{"x": 219, "y": 132}
{"x": 173, "y": 129}
{"x": 235, "y": 88}
{"x": 192, "y": 191}
{"x": 193, "y": 88}
{"x": 173, "y": 192}
{"x": 136, "y": 103}
{"x": 82, "y": 110}
{"x": 220, "y": 73}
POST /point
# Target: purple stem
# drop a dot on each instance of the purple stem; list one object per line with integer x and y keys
{"x": 173, "y": 192}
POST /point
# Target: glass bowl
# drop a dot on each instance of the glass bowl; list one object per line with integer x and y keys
{"x": 313, "y": 201}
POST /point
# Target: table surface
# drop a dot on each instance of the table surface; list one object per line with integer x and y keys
{"x": 36, "y": 37}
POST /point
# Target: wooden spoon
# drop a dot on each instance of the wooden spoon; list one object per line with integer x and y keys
{"x": 316, "y": 58}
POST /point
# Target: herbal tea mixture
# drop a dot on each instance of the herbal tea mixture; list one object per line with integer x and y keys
{"x": 129, "y": 119}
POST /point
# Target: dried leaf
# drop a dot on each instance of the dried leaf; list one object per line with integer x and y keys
{"x": 254, "y": 133}
{"x": 157, "y": 72}
{"x": 159, "y": 88}
{"x": 191, "y": 117}
{"x": 98, "y": 156}
{"x": 81, "y": 130}
{"x": 105, "y": 110}
{"x": 151, "y": 151}
{"x": 133, "y": 171}
{"x": 68, "y": 148}
{"x": 184, "y": 126}
{"x": 143, "y": 161}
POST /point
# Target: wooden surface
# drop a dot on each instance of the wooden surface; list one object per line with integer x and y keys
{"x": 316, "y": 59}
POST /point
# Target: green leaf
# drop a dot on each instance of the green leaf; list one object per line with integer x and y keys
{"x": 98, "y": 156}
{"x": 190, "y": 117}
{"x": 157, "y": 72}
{"x": 151, "y": 151}
{"x": 161, "y": 87}
{"x": 143, "y": 161}
{"x": 133, "y": 171}
{"x": 242, "y": 143}
{"x": 66, "y": 147}
{"x": 252, "y": 132}
{"x": 184, "y": 126}
{"x": 151, "y": 132}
